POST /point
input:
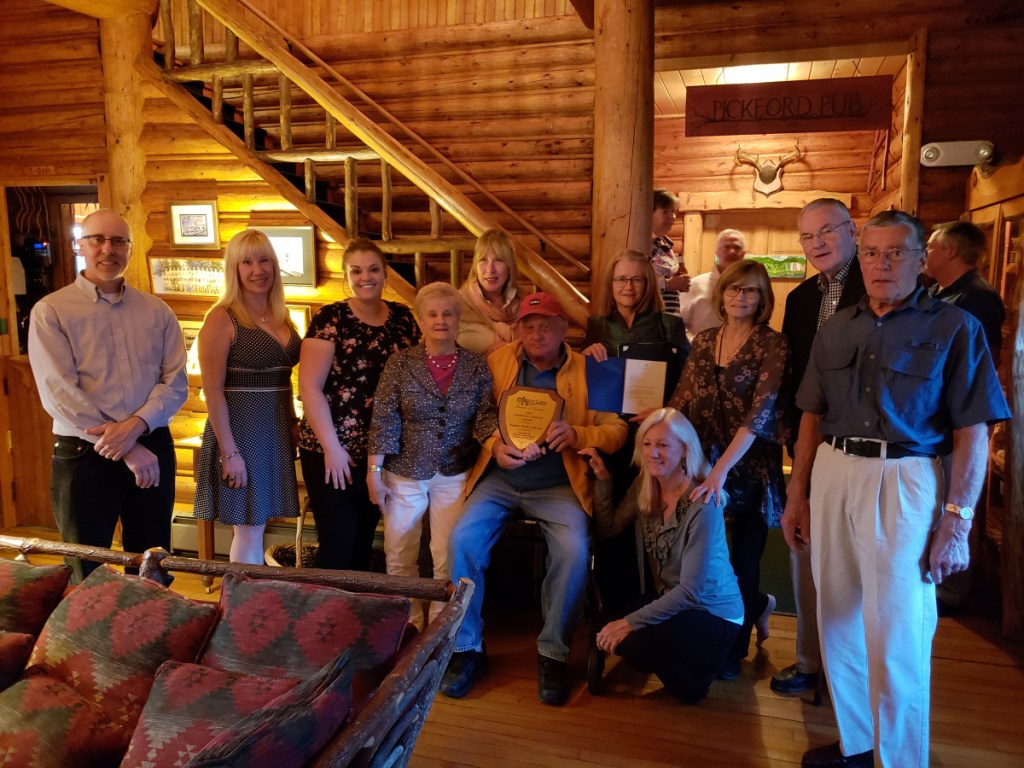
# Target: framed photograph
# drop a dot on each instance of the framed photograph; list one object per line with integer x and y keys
{"x": 190, "y": 330}
{"x": 194, "y": 277}
{"x": 300, "y": 316}
{"x": 783, "y": 267}
{"x": 295, "y": 253}
{"x": 195, "y": 225}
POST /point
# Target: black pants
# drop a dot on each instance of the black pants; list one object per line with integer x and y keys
{"x": 749, "y": 537}
{"x": 91, "y": 493}
{"x": 685, "y": 652}
{"x": 345, "y": 519}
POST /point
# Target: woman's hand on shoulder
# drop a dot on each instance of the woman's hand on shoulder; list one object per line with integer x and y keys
{"x": 593, "y": 458}
{"x": 710, "y": 491}
{"x": 596, "y": 351}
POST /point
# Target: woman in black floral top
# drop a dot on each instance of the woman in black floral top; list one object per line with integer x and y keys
{"x": 342, "y": 357}
{"x": 730, "y": 391}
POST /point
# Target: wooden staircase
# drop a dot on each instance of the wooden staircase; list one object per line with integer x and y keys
{"x": 290, "y": 112}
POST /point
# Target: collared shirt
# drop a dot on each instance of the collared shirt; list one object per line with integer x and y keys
{"x": 549, "y": 470}
{"x": 911, "y": 376}
{"x": 695, "y": 305}
{"x": 666, "y": 265}
{"x": 831, "y": 292}
{"x": 97, "y": 359}
{"x": 972, "y": 293}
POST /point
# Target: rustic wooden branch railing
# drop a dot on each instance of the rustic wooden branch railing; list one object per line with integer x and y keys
{"x": 236, "y": 16}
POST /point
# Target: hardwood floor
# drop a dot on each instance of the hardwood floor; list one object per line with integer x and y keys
{"x": 977, "y": 708}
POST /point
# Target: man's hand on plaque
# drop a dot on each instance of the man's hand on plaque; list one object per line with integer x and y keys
{"x": 507, "y": 456}
{"x": 561, "y": 436}
{"x": 532, "y": 452}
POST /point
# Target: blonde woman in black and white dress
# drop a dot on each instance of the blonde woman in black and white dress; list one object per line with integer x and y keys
{"x": 247, "y": 349}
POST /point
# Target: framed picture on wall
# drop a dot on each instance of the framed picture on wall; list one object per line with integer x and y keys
{"x": 197, "y": 277}
{"x": 295, "y": 253}
{"x": 783, "y": 267}
{"x": 190, "y": 330}
{"x": 195, "y": 225}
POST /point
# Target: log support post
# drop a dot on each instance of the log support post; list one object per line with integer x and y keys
{"x": 351, "y": 198}
{"x": 122, "y": 41}
{"x": 623, "y": 131}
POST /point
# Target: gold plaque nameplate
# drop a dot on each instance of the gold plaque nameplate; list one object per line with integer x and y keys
{"x": 525, "y": 413}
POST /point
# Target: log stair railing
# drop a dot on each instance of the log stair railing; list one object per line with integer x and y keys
{"x": 244, "y": 23}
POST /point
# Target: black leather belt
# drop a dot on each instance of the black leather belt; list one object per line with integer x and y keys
{"x": 870, "y": 449}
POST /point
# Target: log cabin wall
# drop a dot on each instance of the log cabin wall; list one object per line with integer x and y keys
{"x": 51, "y": 95}
{"x": 887, "y": 152}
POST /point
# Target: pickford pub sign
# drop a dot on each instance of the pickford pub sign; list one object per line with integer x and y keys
{"x": 844, "y": 104}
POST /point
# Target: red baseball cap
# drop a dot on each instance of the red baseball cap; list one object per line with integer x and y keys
{"x": 540, "y": 304}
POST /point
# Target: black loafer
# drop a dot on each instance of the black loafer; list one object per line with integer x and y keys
{"x": 791, "y": 680}
{"x": 463, "y": 671}
{"x": 552, "y": 681}
{"x": 833, "y": 757}
{"x": 729, "y": 670}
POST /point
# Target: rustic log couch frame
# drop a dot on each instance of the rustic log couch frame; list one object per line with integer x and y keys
{"x": 384, "y": 732}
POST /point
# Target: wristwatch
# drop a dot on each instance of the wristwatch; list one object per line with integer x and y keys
{"x": 379, "y": 468}
{"x": 964, "y": 513}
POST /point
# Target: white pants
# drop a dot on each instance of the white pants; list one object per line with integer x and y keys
{"x": 403, "y": 525}
{"x": 870, "y": 526}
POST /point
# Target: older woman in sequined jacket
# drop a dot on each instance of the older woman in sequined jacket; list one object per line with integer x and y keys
{"x": 433, "y": 408}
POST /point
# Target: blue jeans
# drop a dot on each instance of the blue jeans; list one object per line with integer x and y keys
{"x": 564, "y": 524}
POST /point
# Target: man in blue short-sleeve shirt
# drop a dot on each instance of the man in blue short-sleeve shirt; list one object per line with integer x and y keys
{"x": 893, "y": 384}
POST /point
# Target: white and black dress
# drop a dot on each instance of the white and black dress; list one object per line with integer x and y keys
{"x": 258, "y": 390}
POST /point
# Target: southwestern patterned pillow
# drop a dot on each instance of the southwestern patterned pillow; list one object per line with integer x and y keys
{"x": 46, "y": 724}
{"x": 285, "y": 629}
{"x": 109, "y": 636}
{"x": 290, "y": 730}
{"x": 189, "y": 705}
{"x": 14, "y": 650}
{"x": 29, "y": 593}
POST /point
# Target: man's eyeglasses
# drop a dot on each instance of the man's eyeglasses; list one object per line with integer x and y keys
{"x": 98, "y": 240}
{"x": 893, "y": 256}
{"x": 732, "y": 291}
{"x": 828, "y": 229}
{"x": 621, "y": 280}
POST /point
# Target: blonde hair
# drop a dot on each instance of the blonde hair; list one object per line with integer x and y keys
{"x": 650, "y": 299}
{"x": 250, "y": 243}
{"x": 437, "y": 291}
{"x": 736, "y": 272}
{"x": 695, "y": 464}
{"x": 498, "y": 244}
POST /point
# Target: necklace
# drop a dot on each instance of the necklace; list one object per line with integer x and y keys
{"x": 438, "y": 361}
{"x": 725, "y": 355}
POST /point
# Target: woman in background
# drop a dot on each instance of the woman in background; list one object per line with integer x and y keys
{"x": 730, "y": 391}
{"x": 490, "y": 297}
{"x": 343, "y": 354}
{"x": 247, "y": 349}
{"x": 433, "y": 408}
{"x": 683, "y": 626}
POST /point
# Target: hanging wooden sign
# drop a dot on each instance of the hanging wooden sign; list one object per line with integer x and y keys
{"x": 843, "y": 104}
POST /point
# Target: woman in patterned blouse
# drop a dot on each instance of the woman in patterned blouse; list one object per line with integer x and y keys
{"x": 342, "y": 357}
{"x": 730, "y": 391}
{"x": 433, "y": 408}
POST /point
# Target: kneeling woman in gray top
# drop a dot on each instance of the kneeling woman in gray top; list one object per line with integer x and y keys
{"x": 691, "y": 614}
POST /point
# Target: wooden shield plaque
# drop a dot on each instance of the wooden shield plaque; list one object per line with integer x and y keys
{"x": 525, "y": 413}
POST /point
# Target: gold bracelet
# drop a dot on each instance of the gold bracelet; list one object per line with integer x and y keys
{"x": 231, "y": 455}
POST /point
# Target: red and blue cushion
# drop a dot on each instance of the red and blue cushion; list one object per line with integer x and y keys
{"x": 29, "y": 593}
{"x": 109, "y": 636}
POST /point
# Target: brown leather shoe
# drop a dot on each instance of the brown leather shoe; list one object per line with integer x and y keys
{"x": 832, "y": 757}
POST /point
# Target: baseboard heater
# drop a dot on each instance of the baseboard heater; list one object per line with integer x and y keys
{"x": 185, "y": 537}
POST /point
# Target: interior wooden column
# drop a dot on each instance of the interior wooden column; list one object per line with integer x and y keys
{"x": 623, "y": 130}
{"x": 913, "y": 113}
{"x": 122, "y": 41}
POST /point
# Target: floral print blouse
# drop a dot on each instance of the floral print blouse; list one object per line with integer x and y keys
{"x": 360, "y": 353}
{"x": 746, "y": 392}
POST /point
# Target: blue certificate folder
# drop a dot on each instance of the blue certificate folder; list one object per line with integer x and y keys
{"x": 616, "y": 387}
{"x": 605, "y": 383}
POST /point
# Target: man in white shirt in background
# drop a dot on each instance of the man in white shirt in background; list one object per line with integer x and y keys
{"x": 109, "y": 363}
{"x": 695, "y": 306}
